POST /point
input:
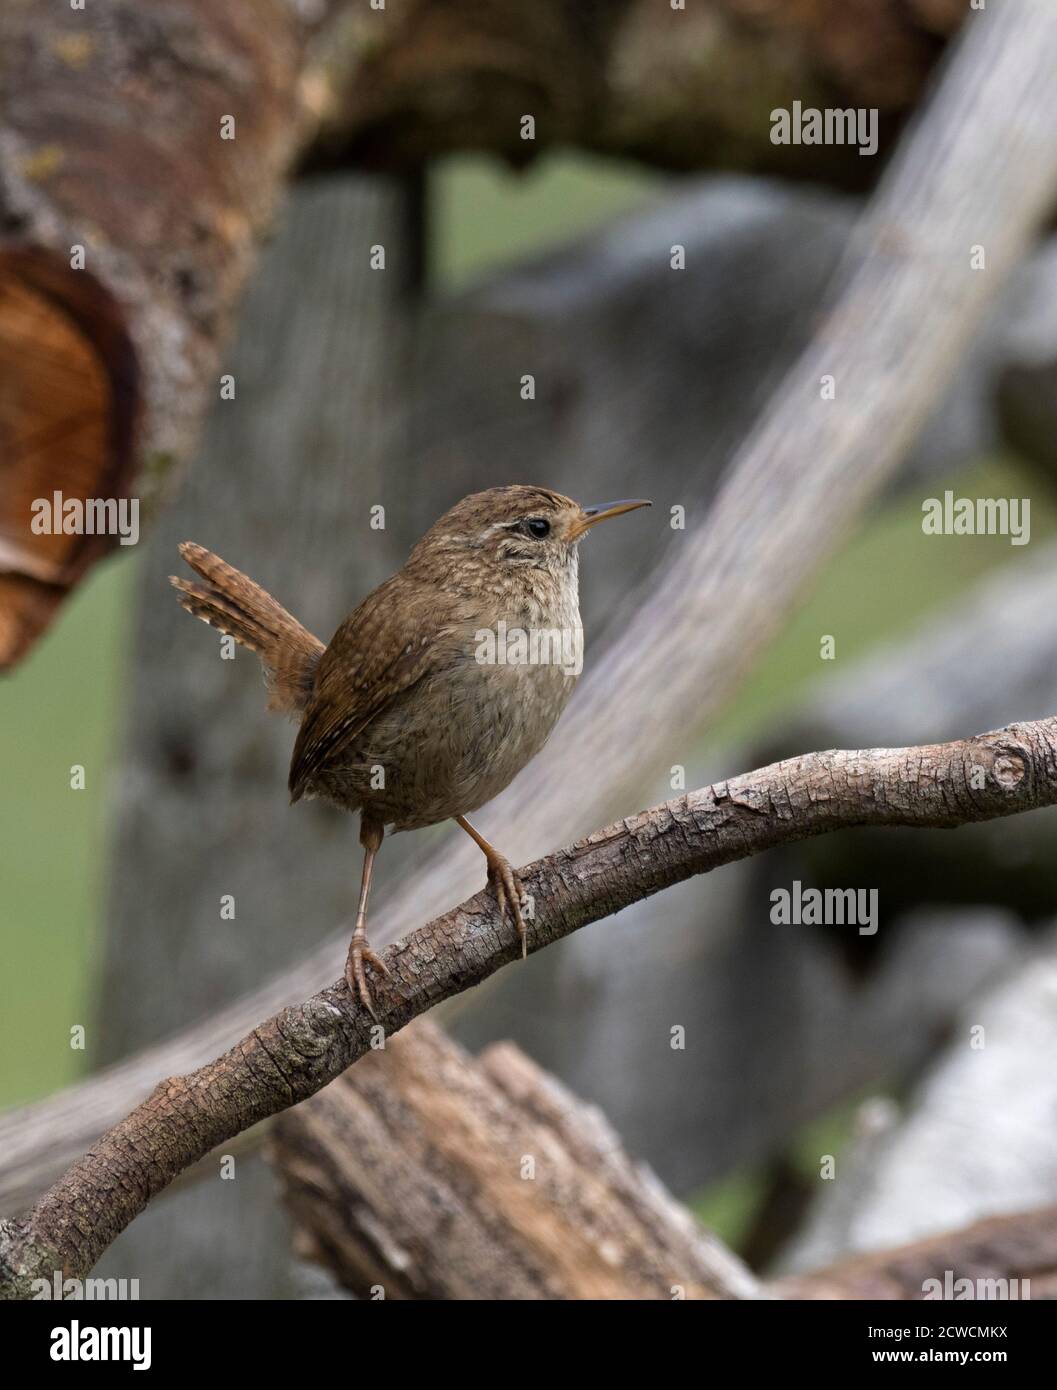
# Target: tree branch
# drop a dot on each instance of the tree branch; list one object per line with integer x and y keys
{"x": 293, "y": 1054}
{"x": 677, "y": 89}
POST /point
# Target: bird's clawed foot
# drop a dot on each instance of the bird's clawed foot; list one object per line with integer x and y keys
{"x": 509, "y": 892}
{"x": 508, "y": 889}
{"x": 361, "y": 955}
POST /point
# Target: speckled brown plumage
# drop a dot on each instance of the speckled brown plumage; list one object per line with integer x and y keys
{"x": 401, "y": 719}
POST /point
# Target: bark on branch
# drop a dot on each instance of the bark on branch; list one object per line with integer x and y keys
{"x": 290, "y": 1056}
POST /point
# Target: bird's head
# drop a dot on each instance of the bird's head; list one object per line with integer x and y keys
{"x": 517, "y": 526}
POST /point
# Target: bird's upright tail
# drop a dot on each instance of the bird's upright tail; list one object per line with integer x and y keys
{"x": 230, "y": 601}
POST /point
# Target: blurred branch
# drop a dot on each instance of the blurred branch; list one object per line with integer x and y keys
{"x": 980, "y": 167}
{"x": 290, "y": 1056}
{"x": 679, "y": 89}
{"x": 1018, "y": 1247}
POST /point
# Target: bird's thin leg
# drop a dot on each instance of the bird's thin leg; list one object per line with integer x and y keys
{"x": 359, "y": 951}
{"x": 507, "y": 885}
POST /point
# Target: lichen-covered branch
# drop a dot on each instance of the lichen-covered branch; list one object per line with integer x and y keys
{"x": 292, "y": 1055}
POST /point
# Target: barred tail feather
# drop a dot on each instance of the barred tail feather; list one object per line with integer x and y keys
{"x": 232, "y": 603}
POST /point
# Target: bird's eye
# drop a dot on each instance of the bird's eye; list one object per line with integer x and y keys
{"x": 538, "y": 526}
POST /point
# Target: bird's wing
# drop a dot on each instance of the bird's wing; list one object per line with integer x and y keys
{"x": 380, "y": 650}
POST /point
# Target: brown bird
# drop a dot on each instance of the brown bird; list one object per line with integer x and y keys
{"x": 437, "y": 690}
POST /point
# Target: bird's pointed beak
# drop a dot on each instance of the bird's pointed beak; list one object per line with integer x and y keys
{"x": 603, "y": 510}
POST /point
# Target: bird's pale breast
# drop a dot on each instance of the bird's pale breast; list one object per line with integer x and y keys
{"x": 458, "y": 737}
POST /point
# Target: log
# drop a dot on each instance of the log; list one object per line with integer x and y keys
{"x": 394, "y": 1173}
{"x": 69, "y": 391}
{"x": 680, "y": 88}
{"x": 426, "y": 1173}
{"x": 127, "y": 229}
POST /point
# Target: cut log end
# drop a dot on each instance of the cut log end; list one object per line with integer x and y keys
{"x": 68, "y": 403}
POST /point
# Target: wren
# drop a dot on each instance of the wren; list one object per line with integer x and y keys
{"x": 409, "y": 716}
